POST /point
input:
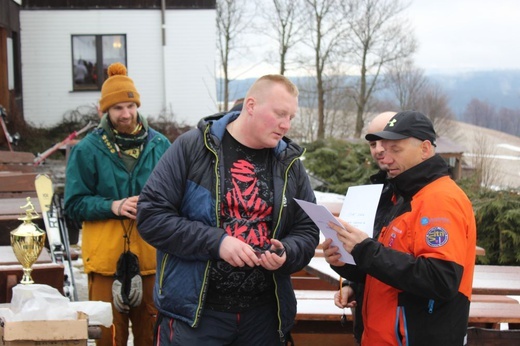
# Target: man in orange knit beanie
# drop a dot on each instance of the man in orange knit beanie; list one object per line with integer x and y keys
{"x": 118, "y": 88}
{"x": 105, "y": 173}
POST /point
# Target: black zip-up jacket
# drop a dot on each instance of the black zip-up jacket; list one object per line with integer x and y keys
{"x": 419, "y": 273}
{"x": 178, "y": 214}
{"x": 381, "y": 219}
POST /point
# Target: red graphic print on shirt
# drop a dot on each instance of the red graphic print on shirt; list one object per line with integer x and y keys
{"x": 246, "y": 206}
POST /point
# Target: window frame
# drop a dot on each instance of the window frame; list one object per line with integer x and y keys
{"x": 100, "y": 69}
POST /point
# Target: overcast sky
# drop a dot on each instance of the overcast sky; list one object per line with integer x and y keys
{"x": 459, "y": 35}
{"x": 453, "y": 36}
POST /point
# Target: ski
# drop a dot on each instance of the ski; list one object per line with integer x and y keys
{"x": 41, "y": 157}
{"x": 54, "y": 229}
{"x": 57, "y": 204}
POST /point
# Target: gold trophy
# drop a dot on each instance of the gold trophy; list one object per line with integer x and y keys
{"x": 27, "y": 241}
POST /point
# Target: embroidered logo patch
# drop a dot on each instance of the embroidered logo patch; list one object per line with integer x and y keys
{"x": 436, "y": 237}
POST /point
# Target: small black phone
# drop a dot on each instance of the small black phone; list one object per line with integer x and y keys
{"x": 278, "y": 251}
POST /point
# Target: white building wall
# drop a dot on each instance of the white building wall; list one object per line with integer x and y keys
{"x": 190, "y": 55}
{"x": 47, "y": 61}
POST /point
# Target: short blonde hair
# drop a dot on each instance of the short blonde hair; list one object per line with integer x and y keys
{"x": 273, "y": 78}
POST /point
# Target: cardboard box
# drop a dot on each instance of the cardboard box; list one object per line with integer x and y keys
{"x": 45, "y": 333}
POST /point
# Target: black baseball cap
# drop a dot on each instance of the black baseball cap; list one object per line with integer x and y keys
{"x": 404, "y": 125}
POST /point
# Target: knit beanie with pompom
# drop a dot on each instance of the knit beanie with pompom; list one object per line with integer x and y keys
{"x": 118, "y": 87}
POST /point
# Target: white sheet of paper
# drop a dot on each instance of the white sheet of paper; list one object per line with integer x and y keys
{"x": 360, "y": 206}
{"x": 359, "y": 209}
{"x": 321, "y": 216}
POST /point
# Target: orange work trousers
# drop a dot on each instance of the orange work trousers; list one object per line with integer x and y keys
{"x": 143, "y": 317}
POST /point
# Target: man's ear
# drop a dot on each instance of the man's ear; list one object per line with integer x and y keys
{"x": 426, "y": 149}
{"x": 249, "y": 105}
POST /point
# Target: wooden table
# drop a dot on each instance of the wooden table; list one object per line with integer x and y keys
{"x": 7, "y": 256}
{"x": 491, "y": 287}
{"x": 10, "y": 211}
{"x": 319, "y": 267}
{"x": 44, "y": 272}
{"x": 10, "y": 207}
{"x": 318, "y": 320}
{"x": 319, "y": 305}
{"x": 487, "y": 279}
{"x": 494, "y": 313}
{"x": 503, "y": 280}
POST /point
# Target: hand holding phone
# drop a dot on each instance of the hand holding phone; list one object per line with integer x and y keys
{"x": 278, "y": 251}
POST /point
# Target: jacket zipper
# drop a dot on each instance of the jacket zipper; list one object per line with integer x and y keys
{"x": 161, "y": 275}
{"x": 431, "y": 302}
{"x": 208, "y": 263}
{"x": 282, "y": 205}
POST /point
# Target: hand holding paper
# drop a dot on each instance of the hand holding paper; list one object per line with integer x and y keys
{"x": 334, "y": 251}
{"x": 321, "y": 216}
{"x": 348, "y": 235}
{"x": 359, "y": 210}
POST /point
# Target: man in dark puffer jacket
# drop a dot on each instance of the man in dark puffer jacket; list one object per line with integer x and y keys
{"x": 220, "y": 210}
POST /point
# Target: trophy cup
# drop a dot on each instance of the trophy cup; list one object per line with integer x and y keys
{"x": 27, "y": 241}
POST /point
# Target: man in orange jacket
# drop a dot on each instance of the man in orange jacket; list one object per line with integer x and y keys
{"x": 419, "y": 272}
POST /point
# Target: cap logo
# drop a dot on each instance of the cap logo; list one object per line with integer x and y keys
{"x": 392, "y": 122}
{"x": 130, "y": 95}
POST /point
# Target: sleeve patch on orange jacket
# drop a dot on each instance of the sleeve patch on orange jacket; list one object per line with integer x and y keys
{"x": 436, "y": 237}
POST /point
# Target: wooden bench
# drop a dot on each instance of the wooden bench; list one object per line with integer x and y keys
{"x": 318, "y": 320}
{"x": 17, "y": 174}
{"x": 318, "y": 316}
{"x": 480, "y": 312}
{"x": 489, "y": 309}
{"x": 44, "y": 272}
{"x": 491, "y": 315}
{"x": 16, "y": 184}
{"x": 318, "y": 305}
{"x": 492, "y": 298}
{"x": 492, "y": 337}
{"x": 303, "y": 280}
{"x": 17, "y": 161}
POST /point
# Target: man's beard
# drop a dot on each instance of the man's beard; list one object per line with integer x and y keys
{"x": 127, "y": 128}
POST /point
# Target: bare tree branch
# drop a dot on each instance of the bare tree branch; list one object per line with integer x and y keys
{"x": 326, "y": 29}
{"x": 378, "y": 36}
{"x": 230, "y": 24}
{"x": 285, "y": 24}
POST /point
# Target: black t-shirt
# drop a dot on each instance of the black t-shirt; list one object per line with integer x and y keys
{"x": 246, "y": 213}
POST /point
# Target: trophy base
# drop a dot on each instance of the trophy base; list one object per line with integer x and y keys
{"x": 26, "y": 278}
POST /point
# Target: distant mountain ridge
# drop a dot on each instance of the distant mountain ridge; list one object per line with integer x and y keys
{"x": 500, "y": 88}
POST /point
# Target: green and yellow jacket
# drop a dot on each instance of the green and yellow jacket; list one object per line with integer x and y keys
{"x": 96, "y": 176}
